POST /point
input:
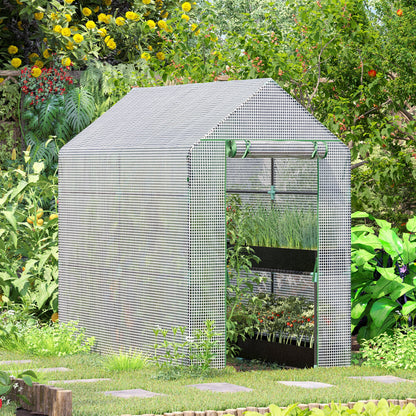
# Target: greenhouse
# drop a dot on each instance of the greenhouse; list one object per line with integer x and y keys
{"x": 143, "y": 193}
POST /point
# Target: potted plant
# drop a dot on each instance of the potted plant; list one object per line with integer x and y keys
{"x": 282, "y": 331}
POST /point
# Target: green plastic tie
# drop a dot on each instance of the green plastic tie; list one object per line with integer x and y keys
{"x": 248, "y": 144}
{"x": 230, "y": 148}
{"x": 315, "y": 153}
{"x": 315, "y": 271}
{"x": 272, "y": 192}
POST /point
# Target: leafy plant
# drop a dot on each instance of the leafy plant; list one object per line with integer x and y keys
{"x": 395, "y": 350}
{"x": 126, "y": 361}
{"x": 383, "y": 276}
{"x": 29, "y": 238}
{"x": 241, "y": 281}
{"x": 55, "y": 339}
{"x": 7, "y": 384}
{"x": 283, "y": 320}
{"x": 171, "y": 357}
{"x": 271, "y": 227}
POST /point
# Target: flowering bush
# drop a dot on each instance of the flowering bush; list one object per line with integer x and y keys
{"x": 39, "y": 84}
{"x": 113, "y": 31}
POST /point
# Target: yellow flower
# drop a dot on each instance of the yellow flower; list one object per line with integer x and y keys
{"x": 86, "y": 11}
{"x": 54, "y": 16}
{"x": 102, "y": 32}
{"x": 66, "y": 31}
{"x": 20, "y": 25}
{"x": 39, "y": 16}
{"x": 12, "y": 49}
{"x": 185, "y": 17}
{"x": 132, "y": 16}
{"x": 73, "y": 29}
{"x": 193, "y": 27}
{"x": 66, "y": 62}
{"x": 33, "y": 56}
{"x": 69, "y": 46}
{"x": 146, "y": 1}
{"x": 52, "y": 217}
{"x": 150, "y": 48}
{"x": 102, "y": 17}
{"x": 151, "y": 24}
{"x": 160, "y": 56}
{"x": 39, "y": 64}
{"x": 96, "y": 8}
{"x": 16, "y": 62}
{"x": 35, "y": 71}
{"x": 19, "y": 2}
{"x": 1, "y": 80}
{"x": 120, "y": 21}
{"x": 107, "y": 2}
{"x": 45, "y": 40}
{"x": 186, "y": 6}
{"x": 46, "y": 54}
{"x": 57, "y": 28}
{"x": 165, "y": 15}
{"x": 145, "y": 55}
{"x": 78, "y": 38}
{"x": 68, "y": 17}
{"x": 111, "y": 44}
{"x": 90, "y": 24}
{"x": 162, "y": 24}
{"x": 69, "y": 1}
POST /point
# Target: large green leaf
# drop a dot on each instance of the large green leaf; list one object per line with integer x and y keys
{"x": 408, "y": 307}
{"x": 361, "y": 256}
{"x": 359, "y": 306}
{"x": 381, "y": 309}
{"x": 411, "y": 225}
{"x": 392, "y": 244}
{"x": 368, "y": 242}
{"x": 389, "y": 284}
{"x": 409, "y": 249}
{"x": 361, "y": 214}
{"x": 10, "y": 218}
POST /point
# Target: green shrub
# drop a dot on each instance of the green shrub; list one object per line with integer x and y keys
{"x": 395, "y": 350}
{"x": 29, "y": 238}
{"x": 55, "y": 339}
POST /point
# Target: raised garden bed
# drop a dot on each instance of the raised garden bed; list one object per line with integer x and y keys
{"x": 275, "y": 352}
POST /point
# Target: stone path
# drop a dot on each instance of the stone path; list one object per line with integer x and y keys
{"x": 220, "y": 387}
{"x": 306, "y": 384}
{"x": 126, "y": 394}
{"x": 82, "y": 380}
{"x": 15, "y": 362}
{"x": 385, "y": 379}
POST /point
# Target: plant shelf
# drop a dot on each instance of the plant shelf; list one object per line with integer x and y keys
{"x": 275, "y": 352}
{"x": 288, "y": 259}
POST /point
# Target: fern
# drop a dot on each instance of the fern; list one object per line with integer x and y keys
{"x": 79, "y": 108}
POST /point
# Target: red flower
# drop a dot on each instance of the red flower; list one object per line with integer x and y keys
{"x": 1, "y": 403}
{"x": 372, "y": 73}
{"x": 399, "y": 12}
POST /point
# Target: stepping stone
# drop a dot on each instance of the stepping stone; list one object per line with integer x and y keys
{"x": 84, "y": 380}
{"x": 307, "y": 384}
{"x": 385, "y": 379}
{"x": 220, "y": 387}
{"x": 126, "y": 394}
{"x": 15, "y": 362}
{"x": 49, "y": 370}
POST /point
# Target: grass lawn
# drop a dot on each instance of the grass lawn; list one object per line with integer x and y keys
{"x": 89, "y": 399}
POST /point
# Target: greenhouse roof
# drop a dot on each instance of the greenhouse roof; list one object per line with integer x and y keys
{"x": 180, "y": 116}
